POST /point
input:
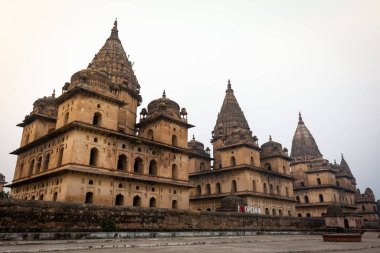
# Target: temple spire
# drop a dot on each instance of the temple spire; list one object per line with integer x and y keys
{"x": 270, "y": 137}
{"x": 229, "y": 84}
{"x": 304, "y": 147}
{"x": 114, "y": 31}
{"x": 300, "y": 121}
{"x": 164, "y": 94}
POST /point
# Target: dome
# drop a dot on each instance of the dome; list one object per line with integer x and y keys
{"x": 334, "y": 209}
{"x": 90, "y": 76}
{"x": 272, "y": 148}
{"x": 197, "y": 147}
{"x": 230, "y": 203}
{"x": 46, "y": 106}
{"x": 165, "y": 106}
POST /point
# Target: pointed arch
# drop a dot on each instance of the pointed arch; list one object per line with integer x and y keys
{"x": 152, "y": 202}
{"x": 45, "y": 166}
{"x": 97, "y": 119}
{"x": 198, "y": 190}
{"x": 89, "y": 198}
{"x": 174, "y": 140}
{"x": 153, "y": 167}
{"x": 233, "y": 161}
{"x": 122, "y": 163}
{"x": 137, "y": 201}
{"x": 119, "y": 200}
{"x": 233, "y": 186}
{"x": 138, "y": 166}
{"x": 208, "y": 189}
{"x": 94, "y": 153}
{"x": 150, "y": 135}
{"x": 31, "y": 167}
{"x": 174, "y": 204}
{"x": 174, "y": 171}
{"x": 217, "y": 188}
{"x": 60, "y": 157}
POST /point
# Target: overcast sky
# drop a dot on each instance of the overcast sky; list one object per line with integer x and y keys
{"x": 320, "y": 57}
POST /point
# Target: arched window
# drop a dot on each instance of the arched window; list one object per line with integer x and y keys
{"x": 268, "y": 166}
{"x": 279, "y": 212}
{"x": 41, "y": 197}
{"x": 273, "y": 211}
{"x": 283, "y": 169}
{"x": 271, "y": 191}
{"x": 138, "y": 167}
{"x": 320, "y": 198}
{"x": 318, "y": 181}
{"x": 289, "y": 213}
{"x": 174, "y": 204}
{"x": 122, "y": 163}
{"x": 254, "y": 186}
{"x": 90, "y": 182}
{"x": 60, "y": 157}
{"x": 278, "y": 190}
{"x": 46, "y": 162}
{"x": 97, "y": 119}
{"x": 89, "y": 198}
{"x": 94, "y": 153}
{"x": 208, "y": 189}
{"x": 55, "y": 196}
{"x": 363, "y": 208}
{"x": 208, "y": 209}
{"x": 265, "y": 188}
{"x": 66, "y": 118}
{"x": 299, "y": 215}
{"x": 174, "y": 171}
{"x": 198, "y": 191}
{"x": 137, "y": 201}
{"x": 149, "y": 134}
{"x": 252, "y": 161}
{"x": 33, "y": 197}
{"x": 38, "y": 165}
{"x": 308, "y": 215}
{"x": 267, "y": 211}
{"x": 306, "y": 198}
{"x": 298, "y": 199}
{"x": 287, "y": 191}
{"x": 174, "y": 140}
{"x": 31, "y": 167}
{"x": 217, "y": 188}
{"x": 153, "y": 167}
{"x": 27, "y": 139}
{"x": 202, "y": 166}
{"x": 233, "y": 161}
{"x": 152, "y": 202}
{"x": 233, "y": 186}
{"x": 119, "y": 201}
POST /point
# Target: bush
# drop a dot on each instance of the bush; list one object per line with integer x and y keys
{"x": 108, "y": 225}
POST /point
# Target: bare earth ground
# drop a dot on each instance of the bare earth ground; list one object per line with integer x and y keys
{"x": 224, "y": 244}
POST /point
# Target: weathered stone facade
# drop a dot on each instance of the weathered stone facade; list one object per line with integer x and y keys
{"x": 260, "y": 176}
{"x": 85, "y": 146}
{"x": 319, "y": 183}
{"x": 46, "y": 216}
{"x": 366, "y": 205}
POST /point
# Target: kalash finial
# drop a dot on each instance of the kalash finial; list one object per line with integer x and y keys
{"x": 114, "y": 31}
{"x": 164, "y": 94}
{"x": 229, "y": 84}
{"x": 270, "y": 137}
{"x": 53, "y": 95}
{"x": 193, "y": 138}
{"x": 300, "y": 117}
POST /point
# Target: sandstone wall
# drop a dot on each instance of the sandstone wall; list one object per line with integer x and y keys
{"x": 44, "y": 216}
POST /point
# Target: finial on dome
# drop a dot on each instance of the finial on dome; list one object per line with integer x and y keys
{"x": 193, "y": 138}
{"x": 300, "y": 117}
{"x": 229, "y": 84}
{"x": 334, "y": 161}
{"x": 53, "y": 95}
{"x": 270, "y": 137}
{"x": 164, "y": 94}
{"x": 114, "y": 31}
{"x": 342, "y": 155}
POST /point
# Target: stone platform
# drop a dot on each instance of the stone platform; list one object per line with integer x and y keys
{"x": 341, "y": 237}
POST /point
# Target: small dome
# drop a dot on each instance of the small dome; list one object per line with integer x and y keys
{"x": 197, "y": 147}
{"x": 230, "y": 203}
{"x": 165, "y": 106}
{"x": 334, "y": 209}
{"x": 90, "y": 76}
{"x": 271, "y": 148}
{"x": 46, "y": 106}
